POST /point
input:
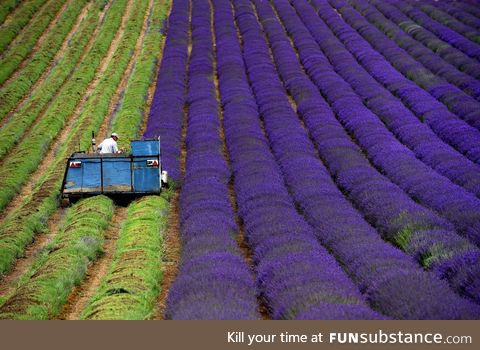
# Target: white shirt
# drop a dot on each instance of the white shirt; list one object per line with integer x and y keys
{"x": 108, "y": 146}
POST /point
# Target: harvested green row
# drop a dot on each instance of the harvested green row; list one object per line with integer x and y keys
{"x": 24, "y": 159}
{"x": 10, "y": 31}
{"x": 20, "y": 226}
{"x": 26, "y": 40}
{"x": 131, "y": 287}
{"x": 129, "y": 119}
{"x": 41, "y": 58}
{"x": 45, "y": 288}
{"x": 19, "y": 123}
{"x": 7, "y": 7}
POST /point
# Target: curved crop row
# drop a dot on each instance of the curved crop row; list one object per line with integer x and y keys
{"x": 419, "y": 232}
{"x": 296, "y": 277}
{"x": 337, "y": 224}
{"x": 41, "y": 203}
{"x": 445, "y": 62}
{"x": 44, "y": 94}
{"x": 45, "y": 287}
{"x": 130, "y": 288}
{"x": 24, "y": 158}
{"x": 470, "y": 8}
{"x": 15, "y": 89}
{"x": 397, "y": 161}
{"x": 398, "y": 119}
{"x": 213, "y": 281}
{"x": 166, "y": 114}
{"x": 449, "y": 21}
{"x": 462, "y": 16}
{"x": 463, "y": 105}
{"x": 25, "y": 41}
{"x": 461, "y": 137}
{"x": 446, "y": 34}
{"x": 7, "y": 7}
{"x": 9, "y": 31}
{"x": 131, "y": 113}
{"x": 447, "y": 52}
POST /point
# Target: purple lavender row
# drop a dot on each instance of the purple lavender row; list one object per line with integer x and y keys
{"x": 354, "y": 243}
{"x": 467, "y": 7}
{"x": 397, "y": 161}
{"x": 418, "y": 231}
{"x": 424, "y": 50}
{"x": 457, "y": 13}
{"x": 463, "y": 105}
{"x": 447, "y": 20}
{"x": 398, "y": 118}
{"x": 166, "y": 114}
{"x": 439, "y": 47}
{"x": 445, "y": 124}
{"x": 446, "y": 34}
{"x": 296, "y": 276}
{"x": 214, "y": 281}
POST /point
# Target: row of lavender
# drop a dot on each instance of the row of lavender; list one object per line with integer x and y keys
{"x": 296, "y": 276}
{"x": 166, "y": 114}
{"x": 214, "y": 281}
{"x": 266, "y": 208}
{"x": 354, "y": 243}
{"x": 418, "y": 231}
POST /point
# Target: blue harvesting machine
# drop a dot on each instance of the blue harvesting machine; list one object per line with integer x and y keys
{"x": 117, "y": 175}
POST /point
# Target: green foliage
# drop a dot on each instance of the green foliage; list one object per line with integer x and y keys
{"x": 22, "y": 17}
{"x": 26, "y": 157}
{"x": 7, "y": 7}
{"x": 25, "y": 41}
{"x": 19, "y": 123}
{"x": 128, "y": 120}
{"x": 12, "y": 92}
{"x": 130, "y": 288}
{"x": 45, "y": 287}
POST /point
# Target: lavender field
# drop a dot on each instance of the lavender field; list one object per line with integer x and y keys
{"x": 327, "y": 154}
{"x": 323, "y": 159}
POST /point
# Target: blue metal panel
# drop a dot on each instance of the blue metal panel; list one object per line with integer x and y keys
{"x": 73, "y": 181}
{"x": 91, "y": 175}
{"x": 117, "y": 175}
{"x": 145, "y": 178}
{"x": 145, "y": 148}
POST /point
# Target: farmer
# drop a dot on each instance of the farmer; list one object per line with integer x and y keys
{"x": 109, "y": 145}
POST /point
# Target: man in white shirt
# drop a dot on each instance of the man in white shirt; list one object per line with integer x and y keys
{"x": 109, "y": 145}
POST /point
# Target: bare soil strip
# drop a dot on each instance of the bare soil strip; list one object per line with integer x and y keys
{"x": 13, "y": 14}
{"x": 98, "y": 269}
{"x": 9, "y": 282}
{"x": 58, "y": 56}
{"x": 40, "y": 42}
{"x": 113, "y": 107}
{"x": 69, "y": 125}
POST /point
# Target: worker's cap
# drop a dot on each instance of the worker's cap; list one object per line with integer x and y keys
{"x": 115, "y": 135}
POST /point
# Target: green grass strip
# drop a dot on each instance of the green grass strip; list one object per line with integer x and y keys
{"x": 28, "y": 76}
{"x": 131, "y": 286}
{"x": 26, "y": 40}
{"x": 20, "y": 226}
{"x": 131, "y": 113}
{"x": 7, "y": 7}
{"x": 45, "y": 288}
{"x": 20, "y": 163}
{"x": 38, "y": 101}
{"x": 9, "y": 32}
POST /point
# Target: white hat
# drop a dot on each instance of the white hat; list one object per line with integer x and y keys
{"x": 115, "y": 135}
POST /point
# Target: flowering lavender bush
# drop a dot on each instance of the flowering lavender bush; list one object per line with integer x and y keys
{"x": 321, "y": 202}
{"x": 214, "y": 281}
{"x": 166, "y": 114}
